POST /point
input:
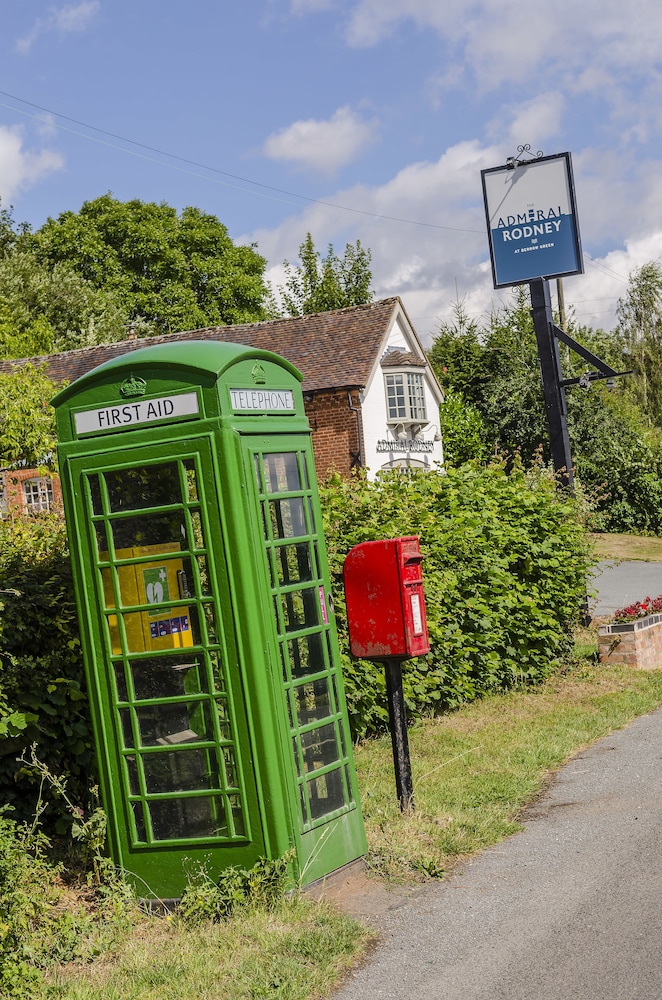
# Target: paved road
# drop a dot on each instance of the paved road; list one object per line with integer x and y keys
{"x": 569, "y": 909}
{"x": 619, "y": 584}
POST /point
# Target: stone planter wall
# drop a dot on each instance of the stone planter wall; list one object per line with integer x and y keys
{"x": 636, "y": 644}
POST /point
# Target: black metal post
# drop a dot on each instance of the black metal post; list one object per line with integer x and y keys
{"x": 398, "y": 722}
{"x": 552, "y": 379}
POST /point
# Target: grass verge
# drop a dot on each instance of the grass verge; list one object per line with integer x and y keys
{"x": 474, "y": 770}
{"x": 627, "y": 547}
{"x": 297, "y": 950}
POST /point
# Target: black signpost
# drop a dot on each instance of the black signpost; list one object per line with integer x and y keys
{"x": 534, "y": 236}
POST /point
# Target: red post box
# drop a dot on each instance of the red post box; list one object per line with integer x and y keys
{"x": 385, "y": 599}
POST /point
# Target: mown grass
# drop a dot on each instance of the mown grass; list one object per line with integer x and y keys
{"x": 474, "y": 770}
{"x": 297, "y": 951}
{"x": 636, "y": 547}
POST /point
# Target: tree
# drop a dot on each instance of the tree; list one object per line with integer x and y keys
{"x": 173, "y": 272}
{"x": 493, "y": 371}
{"x": 27, "y": 421}
{"x": 46, "y": 309}
{"x": 496, "y": 370}
{"x": 640, "y": 330}
{"x": 10, "y": 232}
{"x": 319, "y": 284}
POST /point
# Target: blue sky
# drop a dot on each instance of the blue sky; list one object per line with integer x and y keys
{"x": 367, "y": 119}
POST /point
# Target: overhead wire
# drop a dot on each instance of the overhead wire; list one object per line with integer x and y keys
{"x": 204, "y": 166}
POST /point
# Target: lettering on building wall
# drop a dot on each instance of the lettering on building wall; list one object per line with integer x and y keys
{"x": 405, "y": 446}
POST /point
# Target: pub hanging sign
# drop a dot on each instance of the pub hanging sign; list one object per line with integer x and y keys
{"x": 532, "y": 220}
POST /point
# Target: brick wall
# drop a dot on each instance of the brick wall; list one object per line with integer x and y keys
{"x": 637, "y": 644}
{"x": 335, "y": 427}
{"x": 336, "y": 444}
{"x": 13, "y": 494}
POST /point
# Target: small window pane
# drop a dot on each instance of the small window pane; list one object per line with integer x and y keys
{"x": 174, "y": 724}
{"x": 203, "y": 577}
{"x": 177, "y": 628}
{"x": 294, "y": 563}
{"x": 230, "y": 767}
{"x": 198, "y": 535}
{"x": 148, "y": 530}
{"x": 326, "y": 793}
{"x": 139, "y": 820}
{"x": 320, "y": 747}
{"x": 120, "y": 682}
{"x": 180, "y": 771}
{"x": 179, "y": 819}
{"x": 95, "y": 492}
{"x": 127, "y": 731}
{"x": 312, "y": 701}
{"x": 281, "y": 473}
{"x": 287, "y": 518}
{"x": 102, "y": 539}
{"x": 132, "y": 769}
{"x": 167, "y": 676}
{"x": 191, "y": 481}
{"x": 217, "y": 671}
{"x": 150, "y": 486}
{"x": 306, "y": 655}
{"x": 300, "y": 609}
{"x": 237, "y": 816}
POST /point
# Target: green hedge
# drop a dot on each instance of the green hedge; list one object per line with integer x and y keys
{"x": 505, "y": 570}
{"x": 42, "y": 695}
{"x": 505, "y": 573}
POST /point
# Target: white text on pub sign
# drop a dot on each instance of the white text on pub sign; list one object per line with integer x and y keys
{"x": 262, "y": 400}
{"x": 143, "y": 411}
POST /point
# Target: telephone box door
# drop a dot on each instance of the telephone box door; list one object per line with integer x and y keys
{"x": 172, "y": 727}
{"x": 319, "y": 764}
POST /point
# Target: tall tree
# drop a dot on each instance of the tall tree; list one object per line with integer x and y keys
{"x": 318, "y": 283}
{"x": 45, "y": 309}
{"x": 173, "y": 272}
{"x": 27, "y": 420}
{"x": 640, "y": 329}
{"x": 493, "y": 371}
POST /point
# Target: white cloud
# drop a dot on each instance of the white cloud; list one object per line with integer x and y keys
{"x": 520, "y": 40}
{"x": 21, "y": 168}
{"x": 422, "y": 263}
{"x": 71, "y": 19}
{"x": 322, "y": 145}
{"x": 534, "y": 121}
{"x": 433, "y": 266}
{"x": 307, "y": 6}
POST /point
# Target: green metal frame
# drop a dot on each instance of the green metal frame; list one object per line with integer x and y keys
{"x": 204, "y": 599}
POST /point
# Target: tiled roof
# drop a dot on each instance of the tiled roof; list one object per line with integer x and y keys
{"x": 331, "y": 349}
{"x": 402, "y": 359}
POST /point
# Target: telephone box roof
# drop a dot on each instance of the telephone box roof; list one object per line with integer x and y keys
{"x": 198, "y": 355}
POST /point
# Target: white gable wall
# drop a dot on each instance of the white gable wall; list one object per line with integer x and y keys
{"x": 386, "y": 445}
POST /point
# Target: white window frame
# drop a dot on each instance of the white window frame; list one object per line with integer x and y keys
{"x": 405, "y": 397}
{"x": 4, "y": 500}
{"x": 37, "y": 494}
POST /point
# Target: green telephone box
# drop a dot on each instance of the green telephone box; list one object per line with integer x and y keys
{"x": 206, "y": 615}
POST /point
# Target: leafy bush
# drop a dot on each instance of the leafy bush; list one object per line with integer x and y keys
{"x": 42, "y": 696}
{"x": 505, "y": 573}
{"x": 35, "y": 929}
{"x": 236, "y": 888}
{"x": 505, "y": 576}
